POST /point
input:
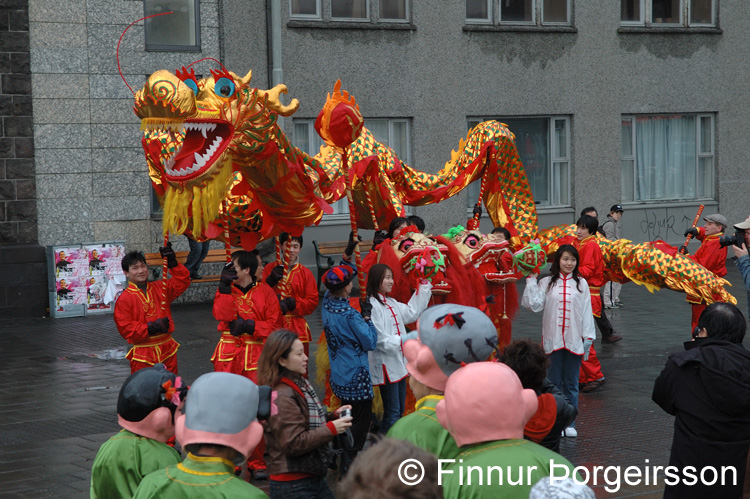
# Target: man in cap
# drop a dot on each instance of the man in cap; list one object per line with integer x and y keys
{"x": 219, "y": 428}
{"x": 741, "y": 258}
{"x": 711, "y": 255}
{"x": 449, "y": 336}
{"x": 145, "y": 411}
{"x": 613, "y": 232}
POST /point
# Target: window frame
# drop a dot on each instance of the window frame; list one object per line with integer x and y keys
{"x": 557, "y": 199}
{"x": 372, "y": 9}
{"x": 307, "y": 17}
{"x": 632, "y": 191}
{"x": 685, "y": 11}
{"x": 537, "y": 6}
{"x": 174, "y": 48}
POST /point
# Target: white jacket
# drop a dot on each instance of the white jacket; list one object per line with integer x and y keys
{"x": 567, "y": 320}
{"x": 390, "y": 321}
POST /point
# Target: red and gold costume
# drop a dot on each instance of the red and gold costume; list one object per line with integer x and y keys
{"x": 240, "y": 354}
{"x": 134, "y": 309}
{"x": 303, "y": 288}
{"x": 713, "y": 257}
{"x": 591, "y": 268}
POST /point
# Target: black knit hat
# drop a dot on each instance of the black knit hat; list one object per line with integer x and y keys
{"x": 143, "y": 392}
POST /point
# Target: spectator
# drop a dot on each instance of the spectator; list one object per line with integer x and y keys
{"x": 138, "y": 314}
{"x": 387, "y": 363}
{"x": 300, "y": 298}
{"x": 349, "y": 335}
{"x": 485, "y": 409}
{"x": 613, "y": 232}
{"x": 449, "y": 336}
{"x": 219, "y": 427}
{"x": 555, "y": 412}
{"x": 298, "y": 435}
{"x": 567, "y": 324}
{"x": 707, "y": 388}
{"x": 145, "y": 411}
{"x": 711, "y": 255}
{"x": 198, "y": 252}
{"x": 741, "y": 258}
{"x": 374, "y": 474}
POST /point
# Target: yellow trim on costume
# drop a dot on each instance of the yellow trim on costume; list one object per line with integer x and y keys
{"x": 424, "y": 399}
{"x": 498, "y": 444}
{"x": 206, "y": 459}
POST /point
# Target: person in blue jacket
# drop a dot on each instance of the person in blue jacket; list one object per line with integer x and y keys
{"x": 350, "y": 335}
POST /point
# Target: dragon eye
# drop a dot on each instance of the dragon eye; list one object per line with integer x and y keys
{"x": 471, "y": 241}
{"x": 193, "y": 86}
{"x": 406, "y": 245}
{"x": 224, "y": 87}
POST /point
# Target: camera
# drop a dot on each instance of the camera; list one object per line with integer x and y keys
{"x": 346, "y": 413}
{"x": 737, "y": 239}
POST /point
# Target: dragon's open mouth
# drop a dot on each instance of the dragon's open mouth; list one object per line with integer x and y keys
{"x": 203, "y": 144}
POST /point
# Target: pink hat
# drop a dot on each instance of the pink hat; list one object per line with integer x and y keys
{"x": 450, "y": 336}
{"x": 485, "y": 402}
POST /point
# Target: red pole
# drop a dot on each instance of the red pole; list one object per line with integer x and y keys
{"x": 164, "y": 270}
{"x": 683, "y": 248}
{"x": 353, "y": 221}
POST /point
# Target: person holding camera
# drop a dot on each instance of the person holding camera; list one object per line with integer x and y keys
{"x": 740, "y": 244}
{"x": 712, "y": 254}
{"x": 298, "y": 435}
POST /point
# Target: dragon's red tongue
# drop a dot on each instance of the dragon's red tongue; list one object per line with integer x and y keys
{"x": 193, "y": 143}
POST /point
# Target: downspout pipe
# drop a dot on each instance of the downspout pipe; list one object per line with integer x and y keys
{"x": 276, "y": 72}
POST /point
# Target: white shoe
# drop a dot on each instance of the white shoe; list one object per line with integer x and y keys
{"x": 570, "y": 432}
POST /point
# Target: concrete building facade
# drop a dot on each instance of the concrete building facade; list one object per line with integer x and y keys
{"x": 649, "y": 112}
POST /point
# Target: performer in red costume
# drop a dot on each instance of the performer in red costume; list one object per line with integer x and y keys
{"x": 138, "y": 314}
{"x": 591, "y": 268}
{"x": 711, "y": 255}
{"x": 301, "y": 296}
{"x": 248, "y": 312}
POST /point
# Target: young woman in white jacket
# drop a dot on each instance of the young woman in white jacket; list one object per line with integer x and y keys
{"x": 567, "y": 323}
{"x": 387, "y": 362}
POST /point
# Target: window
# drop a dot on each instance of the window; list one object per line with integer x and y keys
{"x": 393, "y": 133}
{"x": 543, "y": 145}
{"x": 179, "y": 31}
{"x": 528, "y": 12}
{"x": 684, "y": 13}
{"x": 667, "y": 157}
{"x": 350, "y": 10}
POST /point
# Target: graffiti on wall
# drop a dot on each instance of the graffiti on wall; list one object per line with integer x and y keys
{"x": 664, "y": 226}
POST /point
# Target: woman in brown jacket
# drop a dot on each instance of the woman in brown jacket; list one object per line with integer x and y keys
{"x": 297, "y": 436}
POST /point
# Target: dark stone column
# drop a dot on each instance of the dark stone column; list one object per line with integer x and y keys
{"x": 23, "y": 288}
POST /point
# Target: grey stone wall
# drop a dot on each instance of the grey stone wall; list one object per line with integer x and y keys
{"x": 17, "y": 184}
{"x": 92, "y": 181}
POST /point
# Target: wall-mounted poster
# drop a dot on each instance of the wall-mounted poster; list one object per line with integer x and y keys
{"x": 80, "y": 276}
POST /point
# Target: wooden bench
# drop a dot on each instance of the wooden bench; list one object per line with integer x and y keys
{"x": 325, "y": 251}
{"x": 154, "y": 261}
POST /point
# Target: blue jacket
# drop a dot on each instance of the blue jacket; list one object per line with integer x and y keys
{"x": 349, "y": 339}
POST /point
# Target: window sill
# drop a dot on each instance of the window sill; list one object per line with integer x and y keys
{"x": 366, "y": 25}
{"x": 668, "y": 30}
{"x": 671, "y": 203}
{"x": 520, "y": 29}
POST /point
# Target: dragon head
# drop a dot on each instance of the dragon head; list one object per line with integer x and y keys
{"x": 489, "y": 253}
{"x": 422, "y": 257}
{"x": 193, "y": 130}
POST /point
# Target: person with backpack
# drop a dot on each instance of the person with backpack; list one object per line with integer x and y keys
{"x": 613, "y": 232}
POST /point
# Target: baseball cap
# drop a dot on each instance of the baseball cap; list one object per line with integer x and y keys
{"x": 615, "y": 208}
{"x": 744, "y": 225}
{"x": 717, "y": 219}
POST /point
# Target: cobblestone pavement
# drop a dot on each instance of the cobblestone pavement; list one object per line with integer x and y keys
{"x": 60, "y": 379}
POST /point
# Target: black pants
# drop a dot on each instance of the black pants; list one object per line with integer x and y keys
{"x": 605, "y": 327}
{"x": 361, "y": 418}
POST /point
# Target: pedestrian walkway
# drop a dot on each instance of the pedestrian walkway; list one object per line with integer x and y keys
{"x": 61, "y": 377}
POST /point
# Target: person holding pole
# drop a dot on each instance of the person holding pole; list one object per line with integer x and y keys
{"x": 711, "y": 255}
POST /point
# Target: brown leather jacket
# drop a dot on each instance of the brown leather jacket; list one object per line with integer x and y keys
{"x": 291, "y": 446}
